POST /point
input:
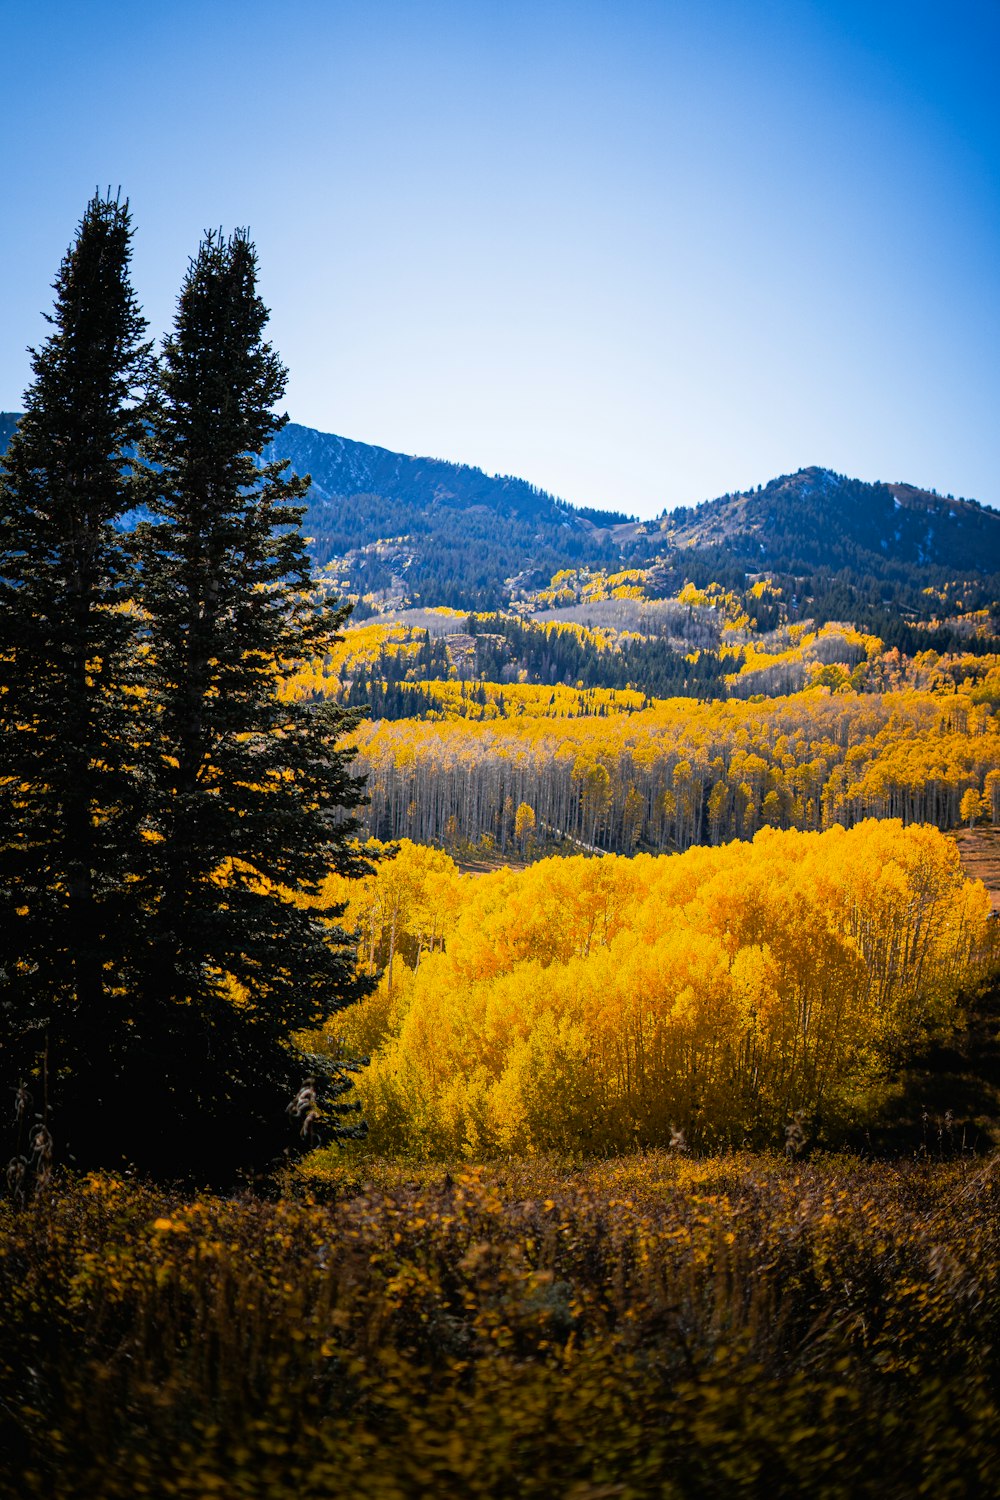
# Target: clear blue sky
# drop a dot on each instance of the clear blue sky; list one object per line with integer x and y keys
{"x": 638, "y": 252}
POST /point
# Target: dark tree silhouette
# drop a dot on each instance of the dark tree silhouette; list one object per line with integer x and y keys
{"x": 251, "y": 795}
{"x": 166, "y": 817}
{"x": 69, "y": 782}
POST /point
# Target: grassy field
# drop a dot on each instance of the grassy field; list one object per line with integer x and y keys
{"x": 654, "y": 1326}
{"x": 979, "y": 850}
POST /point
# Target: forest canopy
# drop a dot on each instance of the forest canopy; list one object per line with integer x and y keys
{"x": 598, "y": 1005}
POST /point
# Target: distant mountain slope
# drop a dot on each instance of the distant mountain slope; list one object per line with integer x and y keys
{"x": 420, "y": 531}
{"x": 340, "y": 466}
{"x": 424, "y": 531}
{"x": 817, "y": 519}
{"x": 432, "y": 532}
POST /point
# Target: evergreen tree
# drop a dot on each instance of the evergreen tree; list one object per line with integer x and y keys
{"x": 68, "y": 773}
{"x": 252, "y": 796}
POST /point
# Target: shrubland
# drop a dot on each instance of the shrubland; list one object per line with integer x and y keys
{"x": 651, "y": 1326}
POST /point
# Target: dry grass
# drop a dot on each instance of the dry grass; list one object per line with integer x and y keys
{"x": 979, "y": 849}
{"x": 649, "y": 1327}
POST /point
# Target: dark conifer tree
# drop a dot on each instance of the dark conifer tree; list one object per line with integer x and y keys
{"x": 68, "y": 776}
{"x": 252, "y": 795}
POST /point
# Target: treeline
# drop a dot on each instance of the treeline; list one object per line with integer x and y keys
{"x": 375, "y": 687}
{"x": 901, "y": 604}
{"x": 507, "y": 647}
{"x": 707, "y": 998}
{"x": 679, "y": 773}
{"x": 705, "y": 643}
{"x": 505, "y": 650}
{"x": 912, "y": 606}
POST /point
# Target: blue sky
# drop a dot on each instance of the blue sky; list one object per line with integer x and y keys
{"x": 640, "y": 253}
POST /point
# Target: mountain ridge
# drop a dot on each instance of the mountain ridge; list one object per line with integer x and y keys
{"x": 879, "y": 523}
{"x": 342, "y": 466}
{"x": 397, "y": 528}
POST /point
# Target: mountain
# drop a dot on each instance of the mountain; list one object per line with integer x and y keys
{"x": 340, "y": 466}
{"x": 399, "y": 530}
{"x": 817, "y": 519}
{"x": 425, "y": 531}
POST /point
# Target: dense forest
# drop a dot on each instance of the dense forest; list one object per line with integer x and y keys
{"x": 668, "y": 776}
{"x": 794, "y": 728}
{"x": 713, "y": 996}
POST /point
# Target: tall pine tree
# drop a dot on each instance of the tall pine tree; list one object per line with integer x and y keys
{"x": 251, "y": 793}
{"x": 69, "y": 782}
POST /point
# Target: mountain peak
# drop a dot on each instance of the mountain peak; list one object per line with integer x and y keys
{"x": 818, "y": 518}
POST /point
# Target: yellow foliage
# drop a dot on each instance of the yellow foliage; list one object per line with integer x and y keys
{"x": 596, "y": 1004}
{"x": 826, "y": 758}
{"x": 656, "y": 1325}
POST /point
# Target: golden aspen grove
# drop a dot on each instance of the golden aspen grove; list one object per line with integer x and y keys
{"x": 619, "y": 770}
{"x": 674, "y": 774}
{"x": 602, "y": 1005}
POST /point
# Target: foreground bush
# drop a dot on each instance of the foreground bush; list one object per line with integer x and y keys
{"x": 653, "y": 1327}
